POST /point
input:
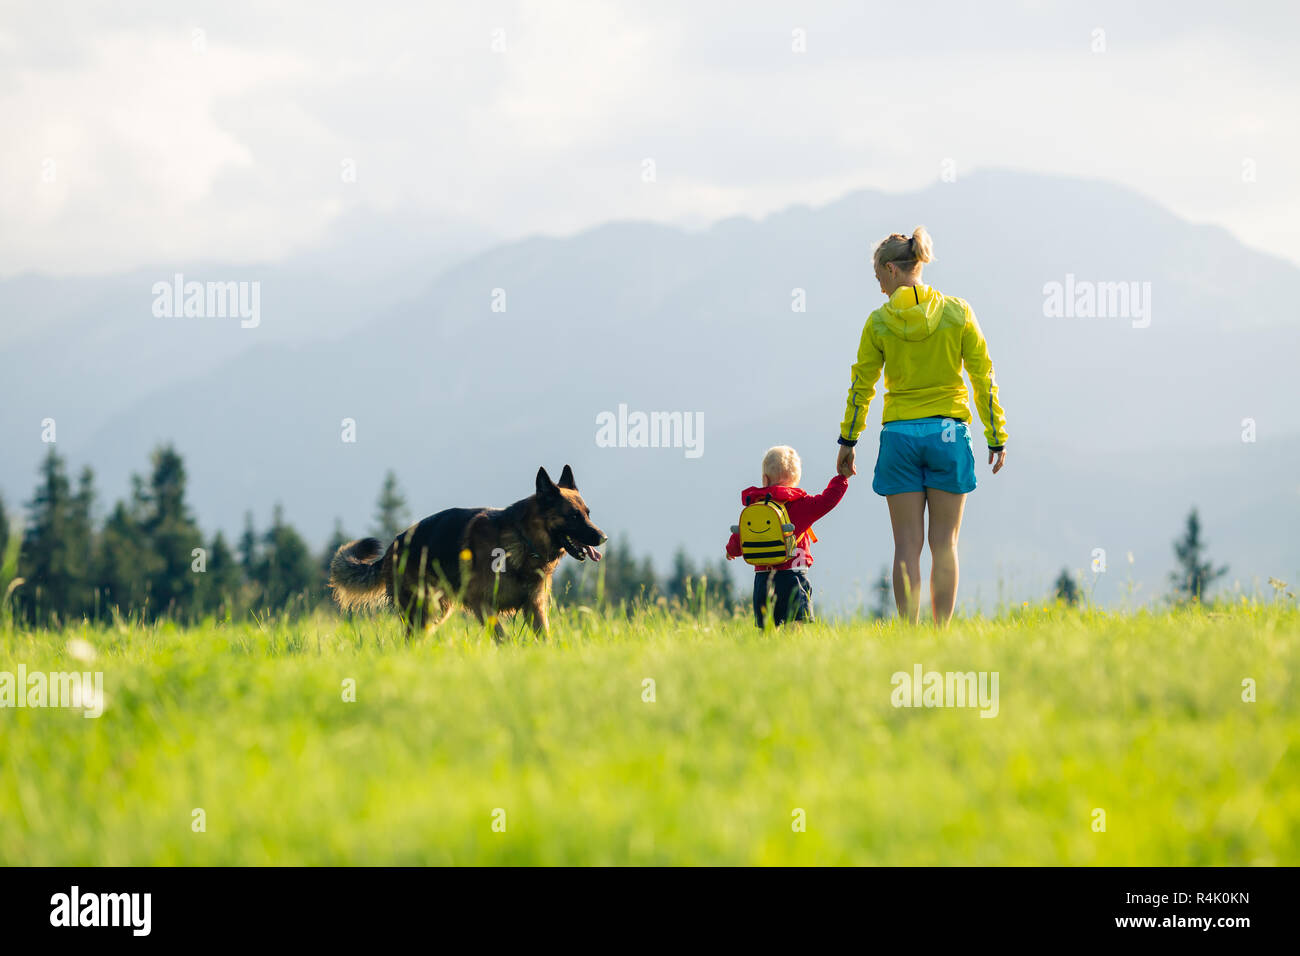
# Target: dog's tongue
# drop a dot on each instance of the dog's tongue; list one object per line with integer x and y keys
{"x": 592, "y": 552}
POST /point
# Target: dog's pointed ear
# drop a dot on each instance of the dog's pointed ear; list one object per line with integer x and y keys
{"x": 566, "y": 479}
{"x": 544, "y": 484}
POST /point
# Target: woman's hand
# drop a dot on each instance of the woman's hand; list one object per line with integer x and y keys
{"x": 844, "y": 463}
{"x": 1001, "y": 455}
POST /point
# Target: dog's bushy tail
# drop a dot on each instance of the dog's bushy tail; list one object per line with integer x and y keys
{"x": 358, "y": 574}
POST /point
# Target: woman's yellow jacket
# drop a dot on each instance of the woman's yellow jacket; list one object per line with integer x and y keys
{"x": 922, "y": 338}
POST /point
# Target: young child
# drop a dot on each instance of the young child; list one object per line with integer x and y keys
{"x": 788, "y": 583}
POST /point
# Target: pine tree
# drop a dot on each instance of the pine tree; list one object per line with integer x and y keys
{"x": 626, "y": 579}
{"x": 9, "y": 546}
{"x": 646, "y": 584}
{"x": 1065, "y": 589}
{"x": 248, "y": 557}
{"x": 222, "y": 586}
{"x": 884, "y": 591}
{"x": 173, "y": 535}
{"x": 81, "y": 535}
{"x": 682, "y": 578}
{"x": 54, "y": 552}
{"x": 126, "y": 563}
{"x": 287, "y": 569}
{"x": 391, "y": 514}
{"x": 4, "y": 546}
{"x": 1194, "y": 575}
{"x": 721, "y": 586}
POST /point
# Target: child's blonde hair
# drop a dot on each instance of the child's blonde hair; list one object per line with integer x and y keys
{"x": 782, "y": 465}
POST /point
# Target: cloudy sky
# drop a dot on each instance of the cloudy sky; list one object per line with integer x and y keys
{"x": 220, "y": 131}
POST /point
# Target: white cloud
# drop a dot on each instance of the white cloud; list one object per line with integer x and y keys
{"x": 166, "y": 154}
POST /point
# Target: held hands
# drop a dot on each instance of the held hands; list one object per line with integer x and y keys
{"x": 1001, "y": 459}
{"x": 844, "y": 463}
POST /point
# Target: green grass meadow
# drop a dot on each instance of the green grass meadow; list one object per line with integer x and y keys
{"x": 1139, "y": 715}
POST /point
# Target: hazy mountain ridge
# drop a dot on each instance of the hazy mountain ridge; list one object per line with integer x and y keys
{"x": 80, "y": 349}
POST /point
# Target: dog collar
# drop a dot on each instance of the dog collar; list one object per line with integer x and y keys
{"x": 532, "y": 549}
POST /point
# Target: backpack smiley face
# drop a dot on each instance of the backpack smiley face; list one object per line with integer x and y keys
{"x": 766, "y": 534}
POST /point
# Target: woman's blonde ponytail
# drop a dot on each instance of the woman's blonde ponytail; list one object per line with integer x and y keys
{"x": 905, "y": 250}
{"x": 922, "y": 245}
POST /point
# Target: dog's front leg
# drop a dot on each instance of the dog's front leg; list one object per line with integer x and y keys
{"x": 535, "y": 614}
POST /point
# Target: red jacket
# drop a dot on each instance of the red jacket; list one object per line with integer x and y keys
{"x": 803, "y": 508}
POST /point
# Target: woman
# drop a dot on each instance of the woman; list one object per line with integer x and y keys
{"x": 922, "y": 338}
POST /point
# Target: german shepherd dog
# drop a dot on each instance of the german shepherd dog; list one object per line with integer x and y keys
{"x": 489, "y": 560}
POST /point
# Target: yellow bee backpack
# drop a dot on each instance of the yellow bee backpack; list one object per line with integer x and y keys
{"x": 766, "y": 533}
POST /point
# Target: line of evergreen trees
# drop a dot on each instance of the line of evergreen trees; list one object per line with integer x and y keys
{"x": 621, "y": 579}
{"x": 149, "y": 558}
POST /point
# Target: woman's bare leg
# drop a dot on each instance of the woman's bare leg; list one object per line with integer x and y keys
{"x": 945, "y": 524}
{"x": 907, "y": 516}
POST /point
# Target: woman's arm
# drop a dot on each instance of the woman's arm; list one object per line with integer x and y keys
{"x": 865, "y": 372}
{"x": 975, "y": 356}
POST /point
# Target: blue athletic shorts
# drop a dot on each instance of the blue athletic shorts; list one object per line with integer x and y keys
{"x": 924, "y": 453}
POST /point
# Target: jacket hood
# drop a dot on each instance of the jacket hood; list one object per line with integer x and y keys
{"x": 756, "y": 493}
{"x": 913, "y": 312}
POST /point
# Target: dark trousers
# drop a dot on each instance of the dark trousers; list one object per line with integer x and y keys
{"x": 791, "y": 596}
